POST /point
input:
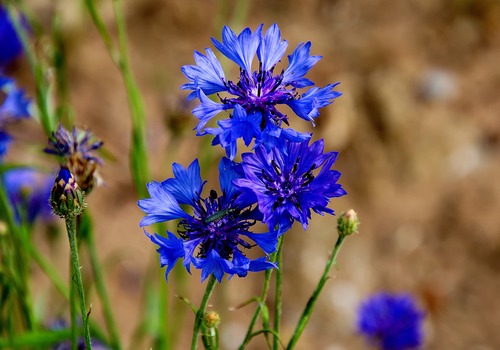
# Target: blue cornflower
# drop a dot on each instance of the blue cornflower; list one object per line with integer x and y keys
{"x": 13, "y": 106}
{"x": 213, "y": 236}
{"x": 76, "y": 150}
{"x": 259, "y": 92}
{"x": 9, "y": 40}
{"x": 391, "y": 321}
{"x": 286, "y": 184}
{"x": 28, "y": 191}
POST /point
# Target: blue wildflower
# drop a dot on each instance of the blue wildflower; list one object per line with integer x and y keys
{"x": 76, "y": 149}
{"x": 9, "y": 40}
{"x": 28, "y": 191}
{"x": 286, "y": 184}
{"x": 391, "y": 322}
{"x": 214, "y": 236}
{"x": 259, "y": 92}
{"x": 13, "y": 106}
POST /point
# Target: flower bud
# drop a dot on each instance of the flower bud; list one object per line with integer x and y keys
{"x": 347, "y": 223}
{"x": 66, "y": 197}
{"x": 211, "y": 319}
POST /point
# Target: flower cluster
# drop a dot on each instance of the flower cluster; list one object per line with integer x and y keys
{"x": 391, "y": 322}
{"x": 283, "y": 180}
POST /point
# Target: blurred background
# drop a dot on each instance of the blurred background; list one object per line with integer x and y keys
{"x": 418, "y": 133}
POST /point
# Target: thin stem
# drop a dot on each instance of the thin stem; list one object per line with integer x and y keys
{"x": 258, "y": 310}
{"x": 201, "y": 311}
{"x": 306, "y": 314}
{"x": 100, "y": 285}
{"x": 278, "y": 294}
{"x": 42, "y": 85}
{"x": 48, "y": 269}
{"x": 77, "y": 277}
{"x": 72, "y": 312}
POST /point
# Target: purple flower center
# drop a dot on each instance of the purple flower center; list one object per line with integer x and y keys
{"x": 217, "y": 225}
{"x": 286, "y": 186}
{"x": 260, "y": 92}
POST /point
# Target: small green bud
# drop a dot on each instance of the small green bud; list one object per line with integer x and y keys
{"x": 211, "y": 319}
{"x": 66, "y": 197}
{"x": 348, "y": 223}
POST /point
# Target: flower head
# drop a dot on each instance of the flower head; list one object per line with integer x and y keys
{"x": 391, "y": 322}
{"x": 214, "y": 236}
{"x": 9, "y": 40}
{"x": 289, "y": 183}
{"x": 76, "y": 151}
{"x": 259, "y": 92}
{"x": 29, "y": 191}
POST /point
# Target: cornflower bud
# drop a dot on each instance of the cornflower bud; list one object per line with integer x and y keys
{"x": 211, "y": 319}
{"x": 66, "y": 197}
{"x": 348, "y": 223}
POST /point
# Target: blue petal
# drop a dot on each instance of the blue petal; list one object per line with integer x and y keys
{"x": 227, "y": 174}
{"x": 161, "y": 207}
{"x": 266, "y": 241}
{"x": 241, "y": 49}
{"x": 213, "y": 264}
{"x": 300, "y": 62}
{"x": 206, "y": 110}
{"x": 187, "y": 185}
{"x": 240, "y": 125}
{"x": 15, "y": 105}
{"x": 9, "y": 41}
{"x": 5, "y": 141}
{"x": 170, "y": 249}
{"x": 271, "y": 48}
{"x": 206, "y": 75}
{"x": 307, "y": 107}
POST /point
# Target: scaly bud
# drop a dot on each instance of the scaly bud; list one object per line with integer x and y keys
{"x": 66, "y": 197}
{"x": 347, "y": 223}
{"x": 211, "y": 319}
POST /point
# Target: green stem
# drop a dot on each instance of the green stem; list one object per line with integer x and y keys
{"x": 201, "y": 311}
{"x": 100, "y": 285}
{"x": 41, "y": 82}
{"x": 306, "y": 314}
{"x": 48, "y": 269}
{"x": 260, "y": 306}
{"x": 77, "y": 277}
{"x": 278, "y": 294}
{"x": 73, "y": 312}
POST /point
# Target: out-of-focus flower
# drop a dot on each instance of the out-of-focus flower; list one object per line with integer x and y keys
{"x": 66, "y": 345}
{"x": 259, "y": 92}
{"x": 391, "y": 322}
{"x": 289, "y": 184}
{"x": 13, "y": 106}
{"x": 10, "y": 44}
{"x": 213, "y": 236}
{"x": 76, "y": 150}
{"x": 29, "y": 191}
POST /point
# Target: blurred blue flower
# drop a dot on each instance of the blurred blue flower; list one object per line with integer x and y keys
{"x": 391, "y": 322}
{"x": 9, "y": 41}
{"x": 213, "y": 236}
{"x": 286, "y": 184}
{"x": 13, "y": 106}
{"x": 60, "y": 324}
{"x": 259, "y": 92}
{"x": 28, "y": 191}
